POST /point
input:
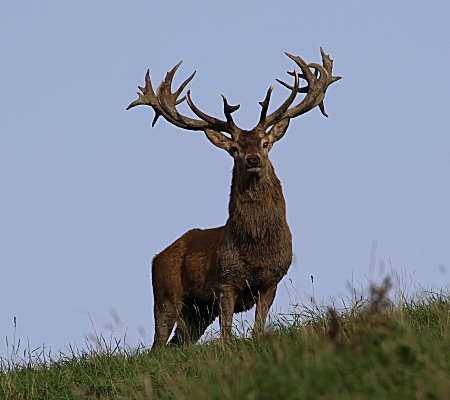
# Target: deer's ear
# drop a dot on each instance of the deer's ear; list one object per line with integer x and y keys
{"x": 218, "y": 139}
{"x": 278, "y": 130}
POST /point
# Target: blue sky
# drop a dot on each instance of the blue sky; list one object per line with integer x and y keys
{"x": 89, "y": 192}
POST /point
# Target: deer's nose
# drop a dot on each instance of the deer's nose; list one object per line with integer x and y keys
{"x": 253, "y": 160}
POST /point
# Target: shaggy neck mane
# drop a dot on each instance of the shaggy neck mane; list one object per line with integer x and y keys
{"x": 257, "y": 210}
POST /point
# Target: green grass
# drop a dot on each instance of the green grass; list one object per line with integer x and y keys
{"x": 373, "y": 349}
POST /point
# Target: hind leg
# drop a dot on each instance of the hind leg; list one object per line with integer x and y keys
{"x": 166, "y": 314}
{"x": 167, "y": 292}
{"x": 193, "y": 322}
{"x": 167, "y": 308}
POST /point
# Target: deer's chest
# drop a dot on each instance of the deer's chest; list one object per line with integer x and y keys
{"x": 256, "y": 255}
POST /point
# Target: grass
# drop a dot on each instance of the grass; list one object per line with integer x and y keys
{"x": 372, "y": 349}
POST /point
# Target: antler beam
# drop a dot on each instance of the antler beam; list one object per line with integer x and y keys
{"x": 164, "y": 102}
{"x": 317, "y": 85}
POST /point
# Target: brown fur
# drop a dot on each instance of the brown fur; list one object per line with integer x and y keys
{"x": 221, "y": 271}
{"x": 215, "y": 272}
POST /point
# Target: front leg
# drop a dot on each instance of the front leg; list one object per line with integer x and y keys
{"x": 264, "y": 301}
{"x": 226, "y": 307}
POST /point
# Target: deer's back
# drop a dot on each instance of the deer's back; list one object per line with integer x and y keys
{"x": 189, "y": 266}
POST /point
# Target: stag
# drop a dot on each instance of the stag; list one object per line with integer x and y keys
{"x": 209, "y": 273}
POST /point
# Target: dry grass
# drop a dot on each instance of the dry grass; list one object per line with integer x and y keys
{"x": 373, "y": 347}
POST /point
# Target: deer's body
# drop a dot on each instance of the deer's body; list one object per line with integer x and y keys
{"x": 245, "y": 260}
{"x": 220, "y": 271}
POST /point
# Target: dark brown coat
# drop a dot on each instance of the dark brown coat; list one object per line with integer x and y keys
{"x": 217, "y": 272}
{"x": 212, "y": 272}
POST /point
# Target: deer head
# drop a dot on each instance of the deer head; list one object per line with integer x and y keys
{"x": 248, "y": 148}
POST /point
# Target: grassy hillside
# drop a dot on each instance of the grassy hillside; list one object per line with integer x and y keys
{"x": 373, "y": 349}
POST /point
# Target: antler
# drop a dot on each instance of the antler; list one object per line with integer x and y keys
{"x": 164, "y": 104}
{"x": 318, "y": 83}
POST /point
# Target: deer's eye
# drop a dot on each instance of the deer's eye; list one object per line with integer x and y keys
{"x": 266, "y": 145}
{"x": 233, "y": 149}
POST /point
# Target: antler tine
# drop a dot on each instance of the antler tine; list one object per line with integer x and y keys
{"x": 299, "y": 75}
{"x": 164, "y": 104}
{"x": 213, "y": 123}
{"x": 169, "y": 100}
{"x": 228, "y": 110}
{"x": 316, "y": 90}
{"x": 180, "y": 101}
{"x": 279, "y": 113}
{"x": 328, "y": 65}
{"x": 149, "y": 98}
{"x": 181, "y": 88}
{"x": 307, "y": 74}
{"x": 265, "y": 106}
{"x": 148, "y": 95}
{"x": 290, "y": 87}
{"x": 318, "y": 83}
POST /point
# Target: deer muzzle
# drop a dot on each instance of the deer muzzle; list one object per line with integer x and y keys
{"x": 253, "y": 162}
